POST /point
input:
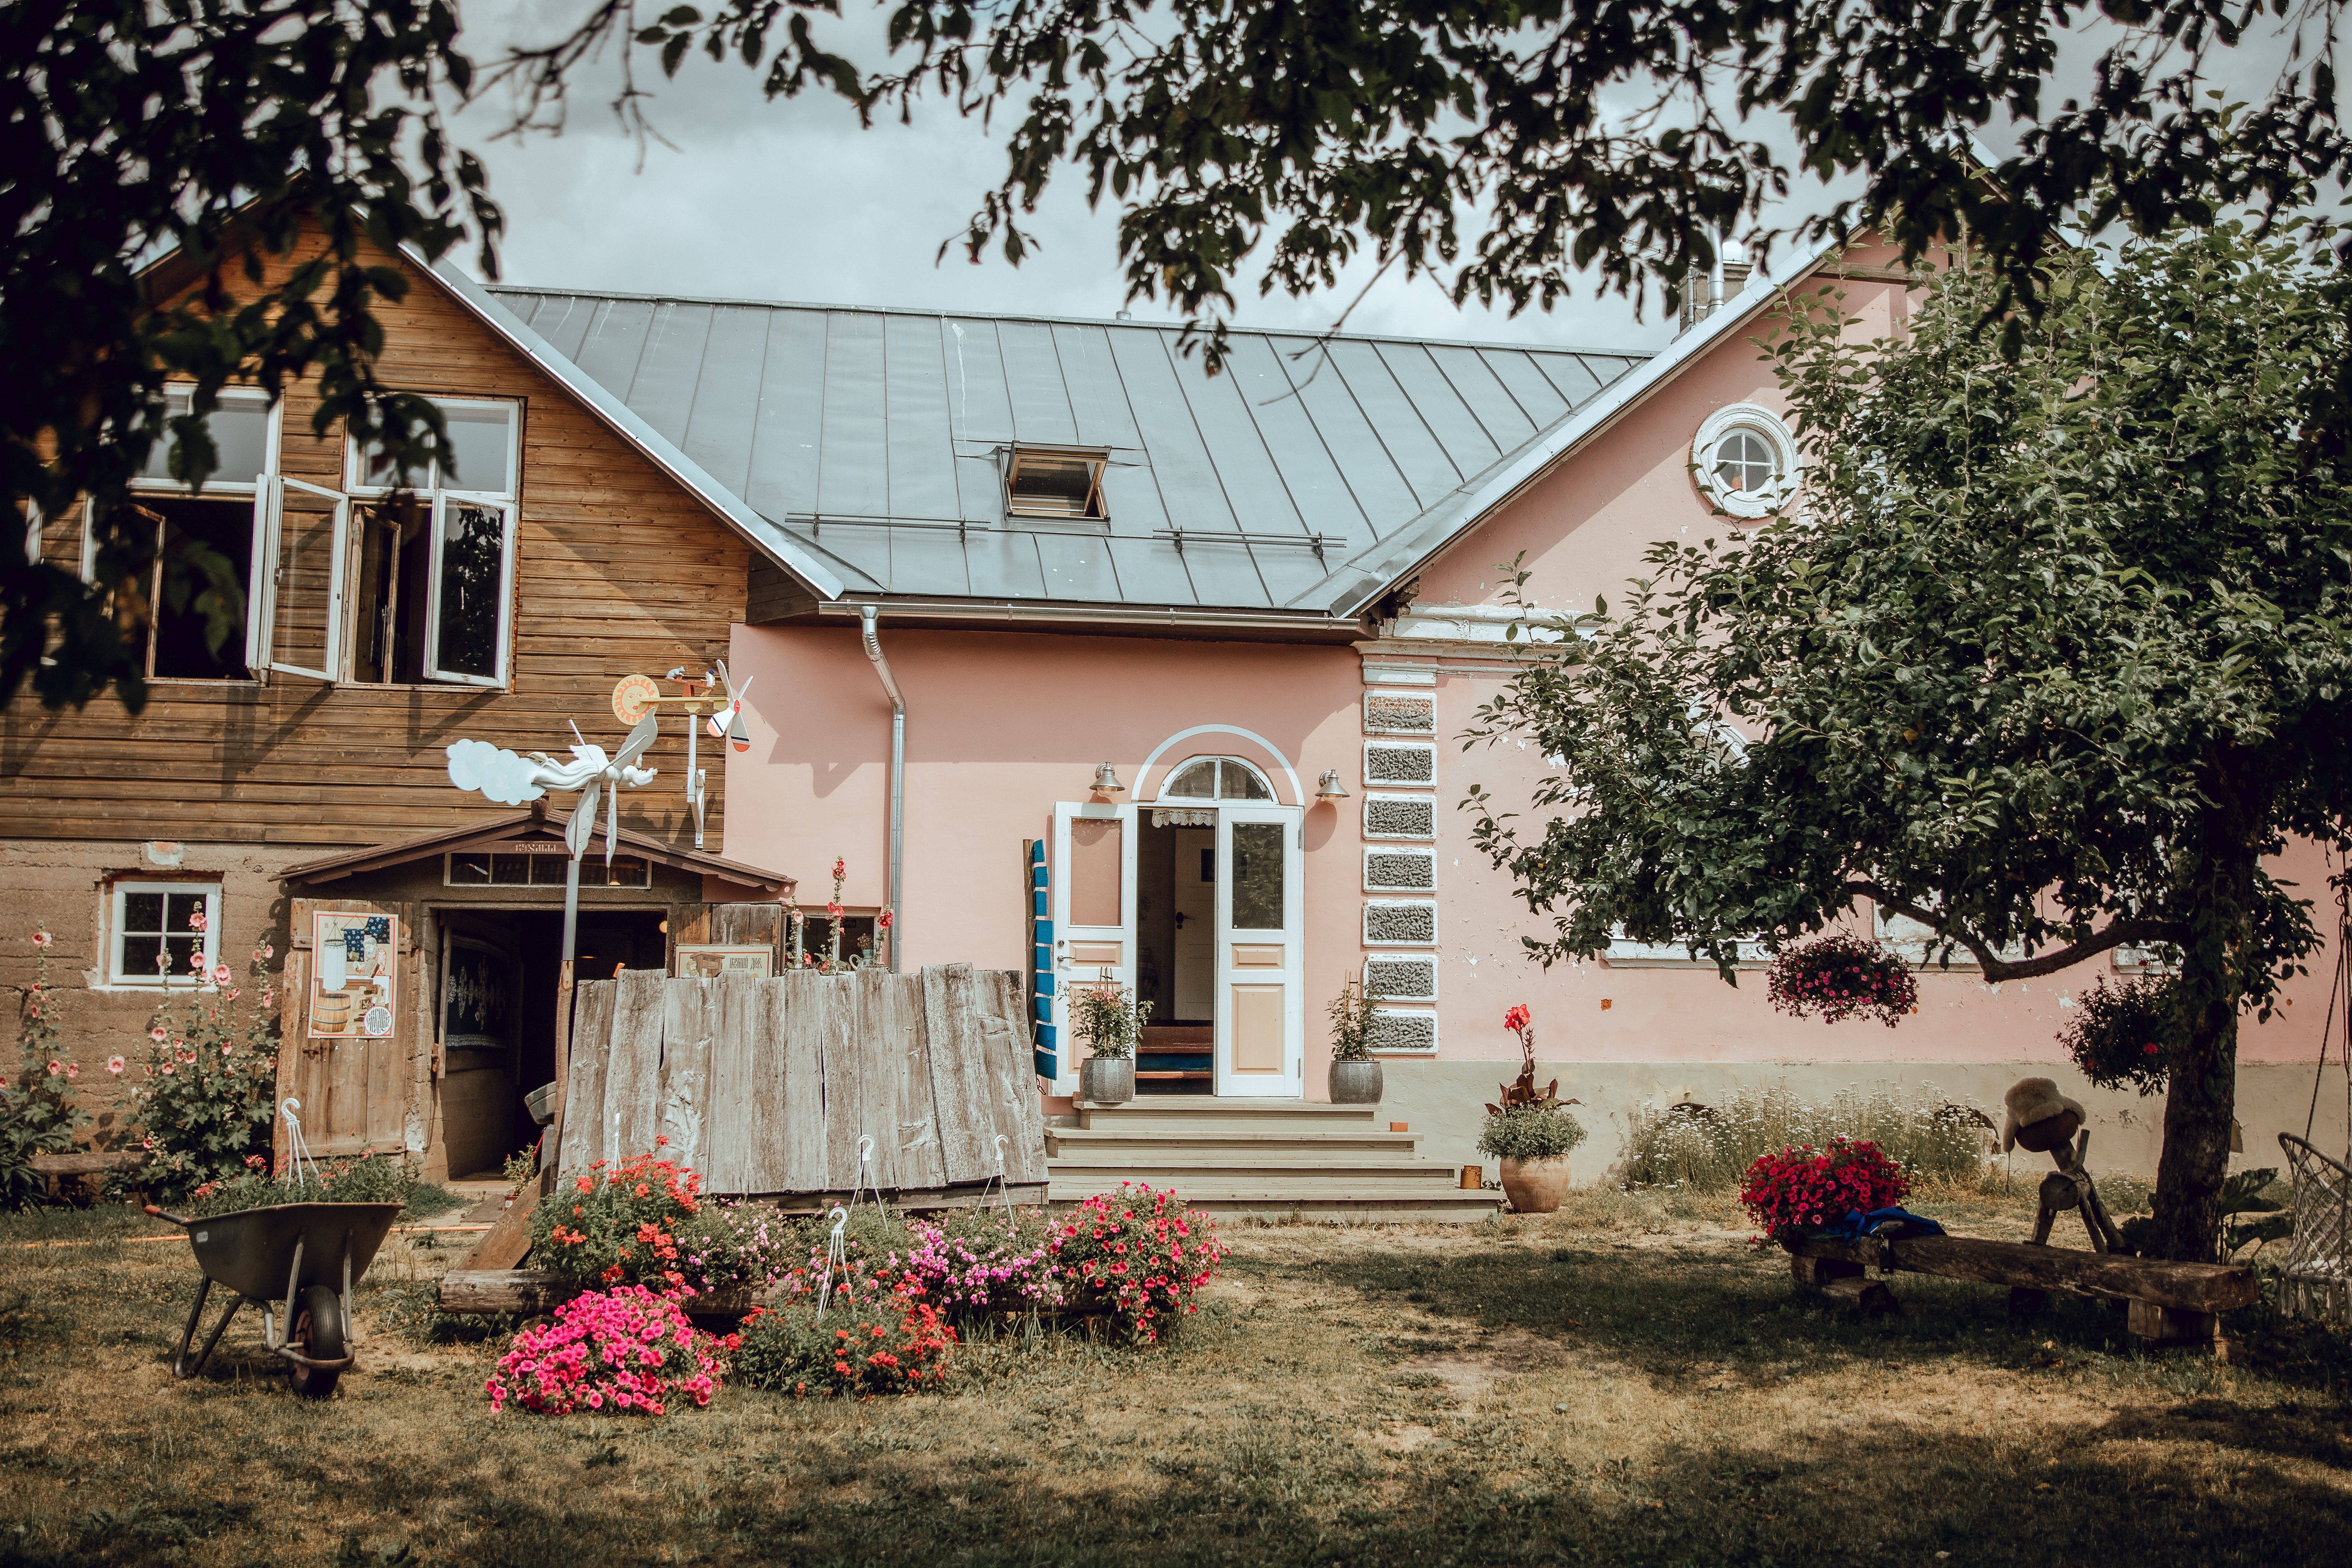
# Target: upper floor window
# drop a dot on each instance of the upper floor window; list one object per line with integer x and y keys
{"x": 435, "y": 598}
{"x": 191, "y": 623}
{"x": 1745, "y": 461}
{"x": 1054, "y": 484}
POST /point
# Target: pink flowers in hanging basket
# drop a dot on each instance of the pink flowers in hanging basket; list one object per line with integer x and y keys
{"x": 1839, "y": 976}
{"x": 617, "y": 1351}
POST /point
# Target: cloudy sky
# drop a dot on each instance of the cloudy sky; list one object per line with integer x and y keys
{"x": 792, "y": 200}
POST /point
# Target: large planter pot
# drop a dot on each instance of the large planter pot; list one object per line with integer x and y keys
{"x": 1356, "y": 1083}
{"x": 1535, "y": 1186}
{"x": 1106, "y": 1081}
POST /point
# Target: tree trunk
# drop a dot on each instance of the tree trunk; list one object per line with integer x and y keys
{"x": 2202, "y": 1099}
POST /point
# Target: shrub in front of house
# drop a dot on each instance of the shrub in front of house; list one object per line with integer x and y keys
{"x": 1535, "y": 1131}
{"x": 1708, "y": 1148}
{"x": 612, "y": 1352}
{"x": 1138, "y": 1256}
{"x": 207, "y": 1097}
{"x": 859, "y": 1346}
{"x": 645, "y": 1221}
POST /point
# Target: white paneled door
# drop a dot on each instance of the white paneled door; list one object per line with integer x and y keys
{"x": 1260, "y": 959}
{"x": 1093, "y": 913}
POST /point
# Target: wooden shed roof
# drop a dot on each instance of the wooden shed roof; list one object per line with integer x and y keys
{"x": 534, "y": 824}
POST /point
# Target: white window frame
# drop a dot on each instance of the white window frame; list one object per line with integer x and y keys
{"x": 1218, "y": 783}
{"x": 1756, "y": 420}
{"x": 506, "y": 503}
{"x": 154, "y": 979}
{"x": 261, "y": 572}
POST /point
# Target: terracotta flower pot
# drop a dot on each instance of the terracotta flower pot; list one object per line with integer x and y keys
{"x": 1106, "y": 1081}
{"x": 1535, "y": 1186}
{"x": 1356, "y": 1083}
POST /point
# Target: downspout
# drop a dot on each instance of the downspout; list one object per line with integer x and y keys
{"x": 867, "y": 615}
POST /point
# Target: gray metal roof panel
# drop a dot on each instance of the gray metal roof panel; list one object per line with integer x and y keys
{"x": 873, "y": 439}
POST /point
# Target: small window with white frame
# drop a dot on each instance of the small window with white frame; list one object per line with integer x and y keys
{"x": 184, "y": 636}
{"x": 1744, "y": 461}
{"x": 437, "y": 560}
{"x": 160, "y": 930}
{"x": 1055, "y": 482}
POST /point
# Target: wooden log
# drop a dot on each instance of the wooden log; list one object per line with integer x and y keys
{"x": 1813, "y": 1273}
{"x": 508, "y": 1241}
{"x": 633, "y": 1074}
{"x": 688, "y": 1008}
{"x": 1871, "y": 1298}
{"x": 2185, "y": 1287}
{"x": 2163, "y": 1328}
{"x": 89, "y": 1162}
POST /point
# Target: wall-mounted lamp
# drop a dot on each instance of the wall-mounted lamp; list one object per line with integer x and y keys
{"x": 1328, "y": 786}
{"x": 1107, "y": 782}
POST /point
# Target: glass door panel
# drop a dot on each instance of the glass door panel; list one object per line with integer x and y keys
{"x": 1260, "y": 952}
{"x": 1094, "y": 914}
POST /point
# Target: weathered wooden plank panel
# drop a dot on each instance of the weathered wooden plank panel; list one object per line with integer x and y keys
{"x": 633, "y": 1076}
{"x": 688, "y": 1015}
{"x": 583, "y": 1095}
{"x": 959, "y": 1076}
{"x": 2183, "y": 1287}
{"x": 742, "y": 1050}
{"x": 842, "y": 1060}
{"x": 797, "y": 1103}
{"x": 919, "y": 1163}
{"x": 1018, "y": 1114}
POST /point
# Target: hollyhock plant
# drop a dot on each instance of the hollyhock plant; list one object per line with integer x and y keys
{"x": 1803, "y": 1188}
{"x": 1138, "y": 1253}
{"x": 207, "y": 1094}
{"x": 1841, "y": 976}
{"x": 620, "y": 1351}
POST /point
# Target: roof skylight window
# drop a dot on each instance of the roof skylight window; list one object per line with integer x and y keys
{"x": 1054, "y": 484}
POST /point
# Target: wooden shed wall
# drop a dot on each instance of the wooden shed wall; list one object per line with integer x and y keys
{"x": 620, "y": 571}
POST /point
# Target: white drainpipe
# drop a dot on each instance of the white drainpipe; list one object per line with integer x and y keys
{"x": 867, "y": 615}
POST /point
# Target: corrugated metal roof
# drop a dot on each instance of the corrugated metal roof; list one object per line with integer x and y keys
{"x": 874, "y": 439}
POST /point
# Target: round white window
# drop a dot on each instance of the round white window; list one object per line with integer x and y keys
{"x": 1745, "y": 461}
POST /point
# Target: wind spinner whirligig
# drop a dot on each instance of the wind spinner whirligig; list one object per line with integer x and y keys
{"x": 636, "y": 698}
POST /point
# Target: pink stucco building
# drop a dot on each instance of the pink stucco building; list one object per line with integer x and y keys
{"x": 1267, "y": 603}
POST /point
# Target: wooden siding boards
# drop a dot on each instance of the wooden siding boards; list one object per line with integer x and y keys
{"x": 619, "y": 571}
{"x": 687, "y": 1016}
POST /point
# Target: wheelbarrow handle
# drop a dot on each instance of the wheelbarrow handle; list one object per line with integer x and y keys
{"x": 159, "y": 1214}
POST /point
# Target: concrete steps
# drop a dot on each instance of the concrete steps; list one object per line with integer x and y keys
{"x": 1272, "y": 1158}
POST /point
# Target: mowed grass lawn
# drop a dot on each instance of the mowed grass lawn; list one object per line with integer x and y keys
{"x": 1626, "y": 1382}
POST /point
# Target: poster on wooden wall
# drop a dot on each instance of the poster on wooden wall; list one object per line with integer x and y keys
{"x": 354, "y": 973}
{"x": 708, "y": 960}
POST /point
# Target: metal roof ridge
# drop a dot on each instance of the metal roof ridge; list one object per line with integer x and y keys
{"x": 1160, "y": 326}
{"x": 1470, "y": 502}
{"x": 629, "y": 424}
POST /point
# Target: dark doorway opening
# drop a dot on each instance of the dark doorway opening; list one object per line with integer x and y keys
{"x": 1178, "y": 1052}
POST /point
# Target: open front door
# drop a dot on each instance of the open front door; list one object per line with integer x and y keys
{"x": 1094, "y": 912}
{"x": 1261, "y": 952}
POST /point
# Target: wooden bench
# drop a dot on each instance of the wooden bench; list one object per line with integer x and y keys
{"x": 2172, "y": 1305}
{"x": 84, "y": 1163}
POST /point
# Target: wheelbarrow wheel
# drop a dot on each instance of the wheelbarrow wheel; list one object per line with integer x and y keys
{"x": 318, "y": 1332}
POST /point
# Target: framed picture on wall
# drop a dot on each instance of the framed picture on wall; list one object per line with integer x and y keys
{"x": 354, "y": 976}
{"x": 708, "y": 960}
{"x": 477, "y": 997}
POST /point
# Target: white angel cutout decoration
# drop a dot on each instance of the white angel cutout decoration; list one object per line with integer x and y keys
{"x": 511, "y": 779}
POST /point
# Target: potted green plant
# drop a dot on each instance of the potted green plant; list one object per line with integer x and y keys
{"x": 1533, "y": 1140}
{"x": 1530, "y": 1132}
{"x": 1108, "y": 1017}
{"x": 1355, "y": 1077}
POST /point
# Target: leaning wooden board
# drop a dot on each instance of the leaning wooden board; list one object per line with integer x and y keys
{"x": 2180, "y": 1287}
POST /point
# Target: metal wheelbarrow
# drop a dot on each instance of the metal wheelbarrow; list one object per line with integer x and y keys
{"x": 306, "y": 1255}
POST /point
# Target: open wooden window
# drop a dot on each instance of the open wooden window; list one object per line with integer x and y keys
{"x": 437, "y": 556}
{"x": 1054, "y": 482}
{"x": 229, "y": 519}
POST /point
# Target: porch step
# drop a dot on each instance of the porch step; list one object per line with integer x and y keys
{"x": 1265, "y": 1157}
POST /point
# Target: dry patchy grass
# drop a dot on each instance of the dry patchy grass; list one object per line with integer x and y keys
{"x": 1625, "y": 1382}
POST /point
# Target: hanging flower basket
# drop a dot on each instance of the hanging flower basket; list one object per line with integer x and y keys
{"x": 1839, "y": 976}
{"x": 2116, "y": 1035}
